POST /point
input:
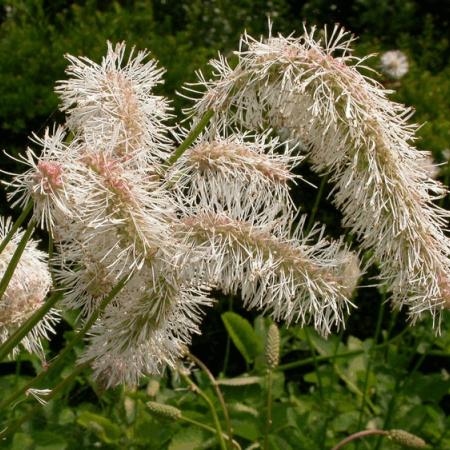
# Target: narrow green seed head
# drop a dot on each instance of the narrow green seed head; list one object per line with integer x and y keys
{"x": 272, "y": 352}
{"x": 406, "y": 439}
{"x": 164, "y": 411}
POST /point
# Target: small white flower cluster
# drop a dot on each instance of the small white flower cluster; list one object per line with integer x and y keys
{"x": 221, "y": 216}
{"x": 313, "y": 89}
{"x": 25, "y": 293}
{"x": 394, "y": 64}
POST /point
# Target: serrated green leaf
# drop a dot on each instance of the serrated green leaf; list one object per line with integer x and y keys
{"x": 242, "y": 334}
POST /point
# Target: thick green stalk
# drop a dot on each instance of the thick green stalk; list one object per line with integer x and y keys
{"x": 315, "y": 361}
{"x": 16, "y": 225}
{"x": 228, "y": 344}
{"x": 398, "y": 389}
{"x": 315, "y": 207}
{"x": 16, "y": 258}
{"x": 77, "y": 338}
{"x": 26, "y": 327}
{"x": 190, "y": 138}
{"x": 307, "y": 361}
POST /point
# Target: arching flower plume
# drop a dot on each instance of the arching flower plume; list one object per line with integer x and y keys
{"x": 313, "y": 87}
{"x": 283, "y": 274}
{"x": 45, "y": 182}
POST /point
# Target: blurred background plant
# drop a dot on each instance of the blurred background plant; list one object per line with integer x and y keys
{"x": 378, "y": 373}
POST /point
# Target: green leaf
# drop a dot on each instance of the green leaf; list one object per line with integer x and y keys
{"x": 247, "y": 429}
{"x": 242, "y": 334}
{"x": 22, "y": 441}
{"x": 46, "y": 440}
{"x": 186, "y": 439}
{"x": 106, "y": 430}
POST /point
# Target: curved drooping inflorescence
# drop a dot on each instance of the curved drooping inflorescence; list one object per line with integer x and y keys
{"x": 314, "y": 88}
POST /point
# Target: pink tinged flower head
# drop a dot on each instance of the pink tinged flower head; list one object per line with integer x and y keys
{"x": 46, "y": 181}
{"x": 353, "y": 131}
{"x": 25, "y": 293}
{"x": 114, "y": 100}
{"x": 122, "y": 206}
{"x": 48, "y": 175}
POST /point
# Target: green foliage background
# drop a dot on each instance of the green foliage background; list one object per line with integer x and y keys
{"x": 391, "y": 375}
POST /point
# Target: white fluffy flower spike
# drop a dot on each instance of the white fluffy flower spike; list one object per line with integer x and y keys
{"x": 247, "y": 175}
{"x": 283, "y": 274}
{"x": 114, "y": 100}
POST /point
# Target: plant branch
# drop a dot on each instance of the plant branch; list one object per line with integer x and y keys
{"x": 198, "y": 391}
{"x": 94, "y": 316}
{"x": 359, "y": 435}
{"x": 59, "y": 388}
{"x": 216, "y": 387}
{"x": 16, "y": 225}
{"x": 269, "y": 409}
{"x": 15, "y": 258}
{"x": 190, "y": 138}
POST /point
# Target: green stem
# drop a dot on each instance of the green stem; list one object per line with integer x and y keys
{"x": 359, "y": 435}
{"x": 210, "y": 429}
{"x": 216, "y": 387}
{"x": 198, "y": 391}
{"x": 77, "y": 338}
{"x": 26, "y": 327}
{"x": 228, "y": 344}
{"x": 16, "y": 225}
{"x": 269, "y": 410}
{"x": 369, "y": 362}
{"x": 314, "y": 358}
{"x": 50, "y": 245}
{"x": 315, "y": 207}
{"x": 59, "y": 388}
{"x": 15, "y": 259}
{"x": 334, "y": 381}
{"x": 190, "y": 138}
{"x": 398, "y": 389}
{"x": 307, "y": 361}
